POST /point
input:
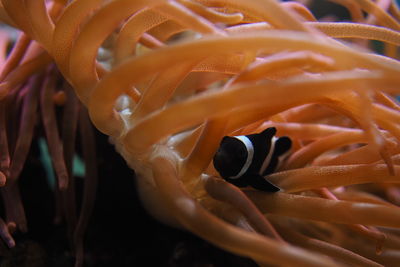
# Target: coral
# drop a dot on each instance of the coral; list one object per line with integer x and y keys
{"x": 167, "y": 80}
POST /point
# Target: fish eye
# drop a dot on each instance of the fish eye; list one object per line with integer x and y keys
{"x": 240, "y": 152}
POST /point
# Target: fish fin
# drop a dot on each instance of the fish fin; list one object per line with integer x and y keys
{"x": 282, "y": 145}
{"x": 268, "y": 133}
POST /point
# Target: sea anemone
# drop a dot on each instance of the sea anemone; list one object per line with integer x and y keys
{"x": 167, "y": 80}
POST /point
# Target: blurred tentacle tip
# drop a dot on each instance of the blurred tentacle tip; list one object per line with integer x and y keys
{"x": 3, "y": 179}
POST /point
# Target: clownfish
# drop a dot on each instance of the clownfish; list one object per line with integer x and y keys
{"x": 245, "y": 160}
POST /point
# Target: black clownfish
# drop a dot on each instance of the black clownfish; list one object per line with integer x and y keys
{"x": 245, "y": 160}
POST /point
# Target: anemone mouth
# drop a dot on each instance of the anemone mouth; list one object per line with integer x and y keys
{"x": 167, "y": 80}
